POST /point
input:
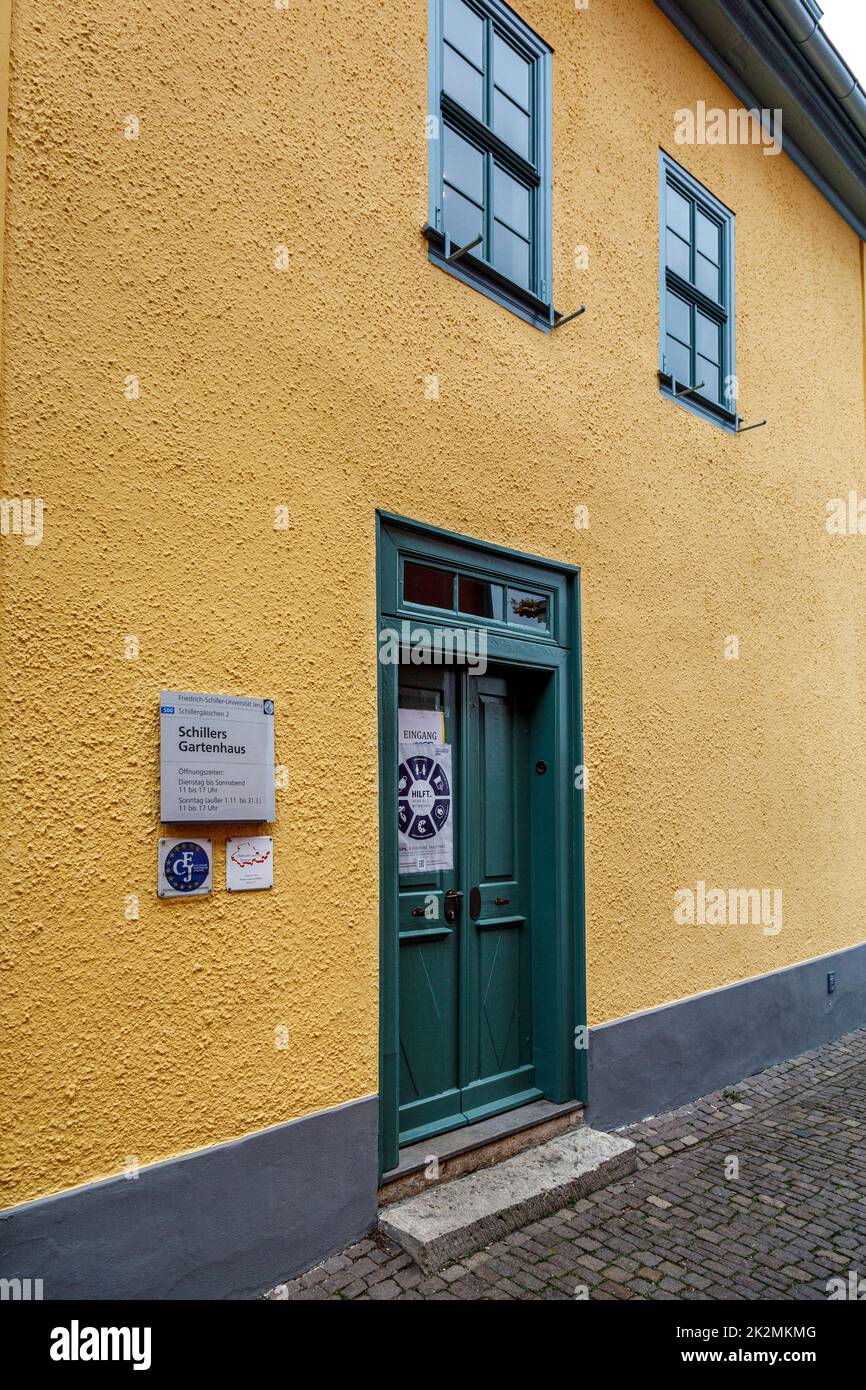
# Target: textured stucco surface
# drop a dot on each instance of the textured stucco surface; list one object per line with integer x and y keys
{"x": 306, "y": 388}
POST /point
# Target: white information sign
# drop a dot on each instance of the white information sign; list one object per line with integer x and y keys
{"x": 185, "y": 868}
{"x": 250, "y": 863}
{"x": 216, "y": 758}
{"x": 425, "y": 820}
{"x": 420, "y": 726}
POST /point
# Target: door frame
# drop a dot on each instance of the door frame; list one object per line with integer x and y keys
{"x": 556, "y": 654}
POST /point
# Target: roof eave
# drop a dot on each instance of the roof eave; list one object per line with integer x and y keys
{"x": 773, "y": 54}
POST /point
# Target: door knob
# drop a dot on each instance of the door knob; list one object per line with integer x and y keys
{"x": 452, "y": 900}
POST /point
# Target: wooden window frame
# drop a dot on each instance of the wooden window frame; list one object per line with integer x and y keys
{"x": 673, "y": 175}
{"x": 535, "y": 303}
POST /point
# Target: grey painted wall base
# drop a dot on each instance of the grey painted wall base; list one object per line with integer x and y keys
{"x": 662, "y": 1058}
{"x": 225, "y": 1222}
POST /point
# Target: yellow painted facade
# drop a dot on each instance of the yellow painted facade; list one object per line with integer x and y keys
{"x": 305, "y": 388}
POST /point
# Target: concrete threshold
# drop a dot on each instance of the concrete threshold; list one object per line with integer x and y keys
{"x": 438, "y": 1227}
{"x": 478, "y": 1145}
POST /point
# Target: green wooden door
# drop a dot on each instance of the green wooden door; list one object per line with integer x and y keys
{"x": 430, "y": 949}
{"x": 465, "y": 985}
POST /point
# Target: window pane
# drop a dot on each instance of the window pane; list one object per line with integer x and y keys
{"x": 527, "y": 610}
{"x": 708, "y": 373}
{"x": 464, "y": 165}
{"x": 678, "y": 255}
{"x": 510, "y": 124}
{"x": 465, "y": 30}
{"x": 463, "y": 220}
{"x": 433, "y": 588}
{"x": 678, "y": 318}
{"x": 707, "y": 277}
{"x": 511, "y": 201}
{"x": 707, "y": 236}
{"x": 478, "y": 597}
{"x": 511, "y": 255}
{"x": 678, "y": 360}
{"x": 463, "y": 83}
{"x": 708, "y": 338}
{"x": 679, "y": 214}
{"x": 510, "y": 71}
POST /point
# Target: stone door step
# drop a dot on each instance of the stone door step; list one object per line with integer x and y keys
{"x": 438, "y": 1227}
{"x": 478, "y": 1145}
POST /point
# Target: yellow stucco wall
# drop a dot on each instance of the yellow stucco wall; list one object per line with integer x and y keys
{"x": 306, "y": 388}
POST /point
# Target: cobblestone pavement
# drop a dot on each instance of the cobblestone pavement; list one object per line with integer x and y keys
{"x": 792, "y": 1218}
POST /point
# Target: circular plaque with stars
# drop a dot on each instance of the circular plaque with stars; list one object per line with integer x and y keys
{"x": 186, "y": 866}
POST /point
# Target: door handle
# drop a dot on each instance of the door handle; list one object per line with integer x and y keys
{"x": 452, "y": 902}
{"x": 475, "y": 903}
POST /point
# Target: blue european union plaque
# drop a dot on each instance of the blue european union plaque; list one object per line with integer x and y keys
{"x": 185, "y": 868}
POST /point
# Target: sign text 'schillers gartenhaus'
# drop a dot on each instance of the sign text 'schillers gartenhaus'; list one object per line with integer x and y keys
{"x": 216, "y": 758}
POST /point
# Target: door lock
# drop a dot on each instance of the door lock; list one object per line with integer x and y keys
{"x": 452, "y": 904}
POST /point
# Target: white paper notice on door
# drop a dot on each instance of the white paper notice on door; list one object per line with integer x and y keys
{"x": 425, "y": 819}
{"x": 421, "y": 726}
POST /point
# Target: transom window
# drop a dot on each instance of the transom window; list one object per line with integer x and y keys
{"x": 490, "y": 153}
{"x": 697, "y": 308}
{"x": 430, "y": 586}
